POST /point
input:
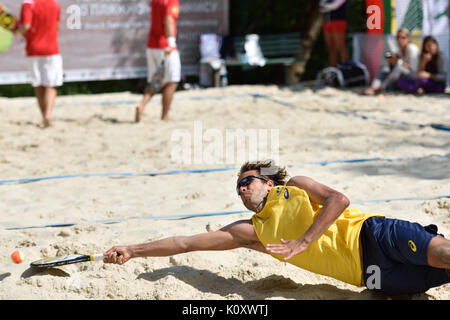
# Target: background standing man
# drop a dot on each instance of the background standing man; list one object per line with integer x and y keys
{"x": 161, "y": 46}
{"x": 39, "y": 25}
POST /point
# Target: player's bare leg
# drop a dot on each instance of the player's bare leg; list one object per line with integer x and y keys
{"x": 341, "y": 48}
{"x": 145, "y": 99}
{"x": 50, "y": 97}
{"x": 39, "y": 92}
{"x": 439, "y": 253}
{"x": 332, "y": 50}
{"x": 167, "y": 97}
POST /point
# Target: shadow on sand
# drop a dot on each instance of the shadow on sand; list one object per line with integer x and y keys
{"x": 31, "y": 272}
{"x": 273, "y": 286}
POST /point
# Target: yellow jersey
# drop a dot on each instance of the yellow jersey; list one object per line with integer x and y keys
{"x": 288, "y": 214}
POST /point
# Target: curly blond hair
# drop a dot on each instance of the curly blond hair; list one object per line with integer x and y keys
{"x": 267, "y": 169}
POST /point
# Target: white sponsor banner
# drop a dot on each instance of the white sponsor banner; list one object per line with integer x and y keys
{"x": 435, "y": 17}
{"x": 401, "y": 6}
{"x": 106, "y": 39}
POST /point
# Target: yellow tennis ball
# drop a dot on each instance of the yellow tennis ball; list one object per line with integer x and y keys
{"x": 17, "y": 257}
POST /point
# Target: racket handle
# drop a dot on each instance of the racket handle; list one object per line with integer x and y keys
{"x": 100, "y": 256}
{"x": 97, "y": 257}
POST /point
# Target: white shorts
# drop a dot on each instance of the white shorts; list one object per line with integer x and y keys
{"x": 46, "y": 71}
{"x": 172, "y": 65}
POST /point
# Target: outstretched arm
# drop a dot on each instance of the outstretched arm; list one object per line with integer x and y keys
{"x": 333, "y": 204}
{"x": 235, "y": 235}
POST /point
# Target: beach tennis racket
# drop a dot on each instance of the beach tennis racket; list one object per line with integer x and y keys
{"x": 7, "y": 24}
{"x": 68, "y": 259}
{"x": 7, "y": 20}
{"x": 157, "y": 78}
{"x": 6, "y": 38}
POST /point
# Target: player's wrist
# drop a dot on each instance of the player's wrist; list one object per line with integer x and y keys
{"x": 172, "y": 42}
{"x": 133, "y": 251}
{"x": 306, "y": 239}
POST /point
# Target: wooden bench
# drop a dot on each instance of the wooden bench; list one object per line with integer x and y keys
{"x": 276, "y": 49}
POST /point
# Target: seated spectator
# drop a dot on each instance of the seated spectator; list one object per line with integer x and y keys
{"x": 395, "y": 65}
{"x": 432, "y": 75}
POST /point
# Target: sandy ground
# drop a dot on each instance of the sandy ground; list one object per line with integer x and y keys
{"x": 95, "y": 134}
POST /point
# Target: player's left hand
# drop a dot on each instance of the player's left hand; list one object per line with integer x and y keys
{"x": 289, "y": 248}
{"x": 168, "y": 50}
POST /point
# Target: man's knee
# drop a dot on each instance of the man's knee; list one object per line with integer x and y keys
{"x": 439, "y": 252}
{"x": 170, "y": 87}
{"x": 444, "y": 253}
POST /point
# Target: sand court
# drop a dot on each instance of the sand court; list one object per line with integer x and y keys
{"x": 385, "y": 153}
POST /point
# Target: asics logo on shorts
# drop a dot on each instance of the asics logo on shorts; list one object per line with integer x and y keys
{"x": 412, "y": 246}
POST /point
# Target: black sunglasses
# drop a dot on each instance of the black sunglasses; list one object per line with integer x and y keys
{"x": 246, "y": 181}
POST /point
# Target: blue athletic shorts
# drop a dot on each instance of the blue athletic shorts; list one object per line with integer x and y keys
{"x": 395, "y": 257}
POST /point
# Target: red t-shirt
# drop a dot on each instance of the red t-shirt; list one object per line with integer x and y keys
{"x": 43, "y": 16}
{"x": 160, "y": 9}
